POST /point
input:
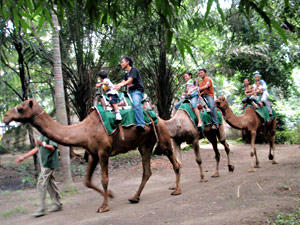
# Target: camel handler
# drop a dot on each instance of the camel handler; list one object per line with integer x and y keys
{"x": 48, "y": 157}
{"x": 206, "y": 91}
{"x": 135, "y": 86}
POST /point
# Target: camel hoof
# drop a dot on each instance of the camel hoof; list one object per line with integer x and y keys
{"x": 257, "y": 166}
{"x": 251, "y": 170}
{"x": 103, "y": 209}
{"x": 271, "y": 157}
{"x": 134, "y": 200}
{"x": 176, "y": 192}
{"x": 231, "y": 168}
{"x": 215, "y": 175}
{"x": 274, "y": 162}
{"x": 203, "y": 180}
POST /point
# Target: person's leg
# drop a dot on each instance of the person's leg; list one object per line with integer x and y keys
{"x": 54, "y": 193}
{"x": 194, "y": 102}
{"x": 245, "y": 101}
{"x": 254, "y": 102}
{"x": 137, "y": 97}
{"x": 211, "y": 104}
{"x": 176, "y": 107}
{"x": 42, "y": 184}
{"x": 113, "y": 100}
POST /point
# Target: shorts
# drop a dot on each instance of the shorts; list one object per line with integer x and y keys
{"x": 113, "y": 98}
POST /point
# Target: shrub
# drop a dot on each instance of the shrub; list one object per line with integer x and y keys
{"x": 287, "y": 137}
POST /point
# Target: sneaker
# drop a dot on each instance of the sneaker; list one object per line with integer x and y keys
{"x": 199, "y": 125}
{"x": 140, "y": 128}
{"x": 56, "y": 208}
{"x": 39, "y": 213}
{"x": 118, "y": 116}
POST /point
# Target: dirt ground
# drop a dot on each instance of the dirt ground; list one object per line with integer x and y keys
{"x": 233, "y": 198}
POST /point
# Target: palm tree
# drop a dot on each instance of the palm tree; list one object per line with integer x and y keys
{"x": 60, "y": 104}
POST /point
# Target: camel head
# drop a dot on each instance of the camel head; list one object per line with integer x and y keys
{"x": 221, "y": 103}
{"x": 25, "y": 112}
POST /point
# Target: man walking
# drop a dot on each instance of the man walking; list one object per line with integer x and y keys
{"x": 48, "y": 157}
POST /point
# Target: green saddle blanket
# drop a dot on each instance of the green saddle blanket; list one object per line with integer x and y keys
{"x": 263, "y": 112}
{"x": 205, "y": 117}
{"x": 108, "y": 118}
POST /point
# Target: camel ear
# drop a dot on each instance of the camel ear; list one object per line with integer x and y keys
{"x": 30, "y": 103}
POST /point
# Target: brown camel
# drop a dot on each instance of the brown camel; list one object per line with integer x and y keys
{"x": 251, "y": 122}
{"x": 182, "y": 129}
{"x": 91, "y": 135}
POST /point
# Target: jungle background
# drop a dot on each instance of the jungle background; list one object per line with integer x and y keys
{"x": 231, "y": 39}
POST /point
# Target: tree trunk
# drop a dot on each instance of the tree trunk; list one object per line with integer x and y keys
{"x": 163, "y": 79}
{"x": 60, "y": 103}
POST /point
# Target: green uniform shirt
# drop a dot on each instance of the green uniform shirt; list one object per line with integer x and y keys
{"x": 49, "y": 159}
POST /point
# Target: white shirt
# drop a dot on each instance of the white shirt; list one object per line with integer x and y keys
{"x": 109, "y": 89}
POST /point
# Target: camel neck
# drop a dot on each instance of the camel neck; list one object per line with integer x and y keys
{"x": 71, "y": 135}
{"x": 233, "y": 120}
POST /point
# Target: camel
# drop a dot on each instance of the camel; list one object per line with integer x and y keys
{"x": 250, "y": 121}
{"x": 182, "y": 129}
{"x": 91, "y": 135}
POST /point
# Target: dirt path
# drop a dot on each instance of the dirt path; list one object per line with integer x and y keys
{"x": 238, "y": 198}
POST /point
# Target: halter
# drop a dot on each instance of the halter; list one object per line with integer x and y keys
{"x": 38, "y": 114}
{"x": 16, "y": 110}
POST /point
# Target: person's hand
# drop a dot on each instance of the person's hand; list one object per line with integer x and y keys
{"x": 98, "y": 85}
{"x": 39, "y": 142}
{"x": 189, "y": 93}
{"x": 117, "y": 86}
{"x": 19, "y": 160}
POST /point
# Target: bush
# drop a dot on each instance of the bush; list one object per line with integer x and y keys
{"x": 287, "y": 137}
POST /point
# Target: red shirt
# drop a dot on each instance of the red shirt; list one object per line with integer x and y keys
{"x": 208, "y": 91}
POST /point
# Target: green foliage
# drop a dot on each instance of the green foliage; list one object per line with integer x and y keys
{"x": 15, "y": 210}
{"x": 291, "y": 218}
{"x": 288, "y": 137}
{"x": 78, "y": 169}
{"x": 187, "y": 148}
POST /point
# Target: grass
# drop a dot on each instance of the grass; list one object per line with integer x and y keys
{"x": 127, "y": 154}
{"x": 281, "y": 218}
{"x": 11, "y": 212}
{"x": 71, "y": 191}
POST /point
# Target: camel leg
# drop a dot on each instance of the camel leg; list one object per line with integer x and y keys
{"x": 272, "y": 147}
{"x": 256, "y": 159}
{"x": 222, "y": 139}
{"x": 103, "y": 159}
{"x": 92, "y": 163}
{"x": 213, "y": 140}
{"x": 272, "y": 141}
{"x": 178, "y": 157}
{"x": 253, "y": 152}
{"x": 227, "y": 150}
{"x": 198, "y": 159}
{"x": 176, "y": 168}
{"x": 146, "y": 156}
